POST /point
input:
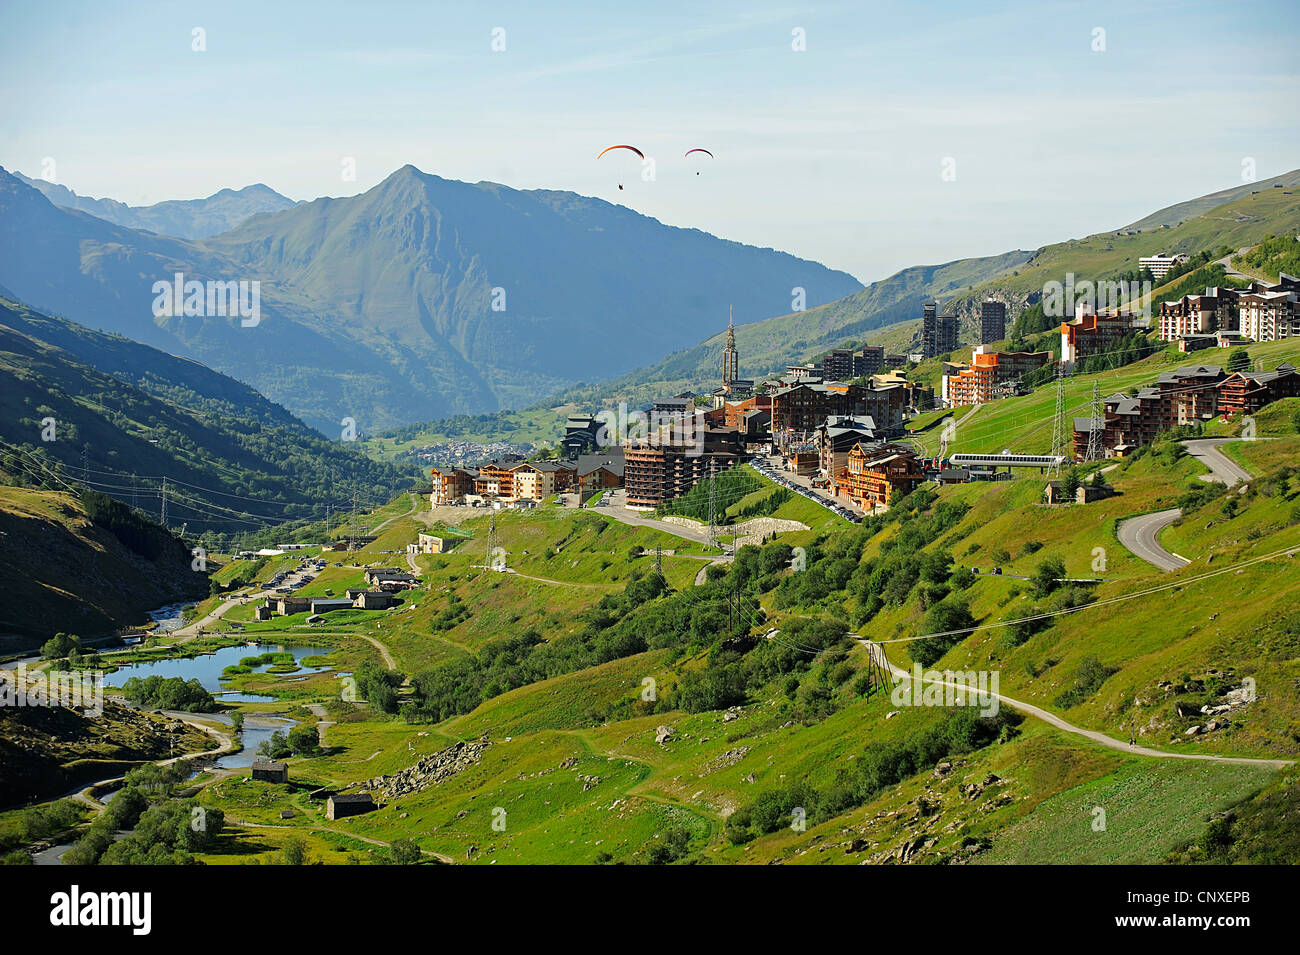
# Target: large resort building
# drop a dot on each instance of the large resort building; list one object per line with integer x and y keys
{"x": 877, "y": 475}
{"x": 1189, "y": 395}
{"x": 655, "y": 472}
{"x": 990, "y": 375}
{"x": 1260, "y": 312}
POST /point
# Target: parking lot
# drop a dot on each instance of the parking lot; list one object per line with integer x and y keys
{"x": 770, "y": 467}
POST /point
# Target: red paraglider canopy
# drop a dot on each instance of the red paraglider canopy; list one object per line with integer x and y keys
{"x": 698, "y": 150}
{"x": 633, "y": 148}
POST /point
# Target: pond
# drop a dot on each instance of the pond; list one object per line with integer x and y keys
{"x": 207, "y": 668}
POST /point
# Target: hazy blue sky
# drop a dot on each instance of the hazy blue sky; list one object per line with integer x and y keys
{"x": 834, "y": 153}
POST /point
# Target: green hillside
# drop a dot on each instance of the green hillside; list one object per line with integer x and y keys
{"x": 127, "y": 416}
{"x": 758, "y": 703}
{"x": 68, "y": 571}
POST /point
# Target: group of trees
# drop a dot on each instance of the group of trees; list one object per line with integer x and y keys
{"x": 137, "y": 532}
{"x": 164, "y": 829}
{"x": 61, "y": 645}
{"x": 169, "y": 693}
{"x": 300, "y": 741}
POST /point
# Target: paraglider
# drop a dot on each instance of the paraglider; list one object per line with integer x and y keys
{"x": 698, "y": 150}
{"x": 620, "y": 146}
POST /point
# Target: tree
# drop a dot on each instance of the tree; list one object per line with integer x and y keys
{"x": 60, "y": 645}
{"x": 294, "y": 851}
{"x": 404, "y": 852}
{"x": 949, "y": 617}
{"x": 1070, "y": 485}
{"x": 304, "y": 741}
{"x": 1048, "y": 576}
{"x": 1238, "y": 360}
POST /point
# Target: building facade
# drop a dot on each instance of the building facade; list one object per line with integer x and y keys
{"x": 993, "y": 321}
{"x": 654, "y": 473}
{"x": 876, "y": 475}
{"x": 989, "y": 376}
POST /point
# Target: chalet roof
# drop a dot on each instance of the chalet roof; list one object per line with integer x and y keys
{"x": 1089, "y": 424}
{"x": 589, "y": 463}
{"x": 268, "y": 766}
{"x": 543, "y": 466}
{"x": 353, "y": 799}
{"x": 1129, "y": 406}
{"x": 1191, "y": 371}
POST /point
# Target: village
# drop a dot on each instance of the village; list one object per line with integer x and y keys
{"x": 834, "y": 431}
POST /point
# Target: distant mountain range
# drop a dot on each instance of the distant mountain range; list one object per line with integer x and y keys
{"x": 420, "y": 298}
{"x": 184, "y": 218}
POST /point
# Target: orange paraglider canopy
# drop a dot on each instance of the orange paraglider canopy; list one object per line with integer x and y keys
{"x": 699, "y": 150}
{"x": 633, "y": 148}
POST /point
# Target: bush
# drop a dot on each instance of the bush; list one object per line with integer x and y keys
{"x": 1088, "y": 679}
{"x": 943, "y": 618}
{"x": 404, "y": 852}
{"x": 304, "y": 741}
{"x": 1048, "y": 577}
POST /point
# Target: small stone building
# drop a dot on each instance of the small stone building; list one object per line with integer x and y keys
{"x": 373, "y": 600}
{"x": 348, "y": 804}
{"x": 270, "y": 772}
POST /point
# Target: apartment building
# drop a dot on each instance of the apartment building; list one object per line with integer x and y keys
{"x": 868, "y": 361}
{"x": 1186, "y": 396}
{"x": 1091, "y": 334}
{"x": 877, "y": 475}
{"x": 451, "y": 484}
{"x": 735, "y": 413}
{"x": 495, "y": 480}
{"x": 837, "y": 436}
{"x": 990, "y": 375}
{"x": 837, "y": 365}
{"x": 801, "y": 407}
{"x": 1160, "y": 265}
{"x": 1245, "y": 392}
{"x": 656, "y": 472}
{"x": 1261, "y": 312}
{"x": 993, "y": 321}
{"x": 938, "y": 332}
{"x": 1269, "y": 314}
{"x": 538, "y": 480}
{"x": 1198, "y": 314}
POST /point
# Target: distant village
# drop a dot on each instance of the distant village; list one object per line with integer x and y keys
{"x": 837, "y": 426}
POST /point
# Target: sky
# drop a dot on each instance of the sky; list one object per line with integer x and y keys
{"x": 868, "y": 137}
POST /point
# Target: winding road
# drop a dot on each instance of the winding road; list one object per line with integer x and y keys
{"x": 1141, "y": 535}
{"x": 878, "y": 655}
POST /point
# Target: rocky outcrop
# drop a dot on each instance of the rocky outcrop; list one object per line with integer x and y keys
{"x": 427, "y": 771}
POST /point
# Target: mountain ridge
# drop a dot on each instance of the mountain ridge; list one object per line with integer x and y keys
{"x": 418, "y": 298}
{"x": 182, "y": 218}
